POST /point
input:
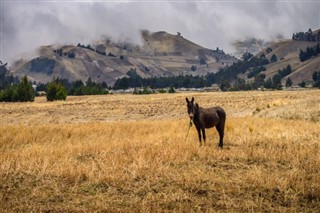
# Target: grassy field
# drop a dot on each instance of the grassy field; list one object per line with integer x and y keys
{"x": 125, "y": 153}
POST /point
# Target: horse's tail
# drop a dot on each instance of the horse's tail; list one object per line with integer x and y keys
{"x": 222, "y": 115}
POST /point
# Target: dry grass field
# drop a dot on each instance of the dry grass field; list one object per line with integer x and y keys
{"x": 126, "y": 153}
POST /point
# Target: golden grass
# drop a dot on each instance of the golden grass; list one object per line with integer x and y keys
{"x": 125, "y": 153}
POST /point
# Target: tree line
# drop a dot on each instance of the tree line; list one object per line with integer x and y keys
{"x": 309, "y": 52}
{"x": 306, "y": 36}
{"x": 14, "y": 89}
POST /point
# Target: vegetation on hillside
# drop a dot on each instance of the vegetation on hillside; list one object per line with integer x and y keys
{"x": 309, "y": 52}
{"x": 306, "y": 36}
{"x": 225, "y": 77}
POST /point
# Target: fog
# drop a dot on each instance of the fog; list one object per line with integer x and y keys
{"x": 27, "y": 25}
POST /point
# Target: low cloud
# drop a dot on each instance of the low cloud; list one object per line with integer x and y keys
{"x": 27, "y": 25}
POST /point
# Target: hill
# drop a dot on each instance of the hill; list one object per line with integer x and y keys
{"x": 161, "y": 54}
{"x": 287, "y": 53}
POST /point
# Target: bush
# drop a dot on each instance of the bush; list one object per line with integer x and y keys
{"x": 7, "y": 94}
{"x": 193, "y": 68}
{"x": 23, "y": 92}
{"x": 55, "y": 91}
{"x": 172, "y": 90}
{"x": 273, "y": 58}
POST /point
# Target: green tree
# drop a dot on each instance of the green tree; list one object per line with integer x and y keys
{"x": 246, "y": 56}
{"x": 7, "y": 94}
{"x": 171, "y": 90}
{"x": 316, "y": 78}
{"x": 225, "y": 85}
{"x": 56, "y": 91}
{"x": 193, "y": 68}
{"x": 288, "y": 82}
{"x": 268, "y": 83}
{"x": 302, "y": 84}
{"x": 6, "y": 78}
{"x": 273, "y": 58}
{"x": 24, "y": 91}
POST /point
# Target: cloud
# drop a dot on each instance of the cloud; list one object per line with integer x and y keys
{"x": 27, "y": 25}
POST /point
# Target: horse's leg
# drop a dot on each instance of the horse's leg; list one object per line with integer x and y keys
{"x": 199, "y": 134}
{"x": 204, "y": 135}
{"x": 220, "y": 129}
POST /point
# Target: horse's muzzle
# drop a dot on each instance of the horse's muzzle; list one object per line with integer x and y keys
{"x": 191, "y": 116}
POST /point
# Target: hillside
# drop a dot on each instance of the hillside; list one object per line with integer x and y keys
{"x": 161, "y": 54}
{"x": 287, "y": 52}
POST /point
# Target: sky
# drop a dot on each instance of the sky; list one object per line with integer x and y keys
{"x": 28, "y": 24}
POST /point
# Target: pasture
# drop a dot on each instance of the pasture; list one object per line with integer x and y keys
{"x": 127, "y": 153}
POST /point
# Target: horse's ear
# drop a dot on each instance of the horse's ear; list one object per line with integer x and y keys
{"x": 187, "y": 100}
{"x": 192, "y": 99}
{"x": 197, "y": 106}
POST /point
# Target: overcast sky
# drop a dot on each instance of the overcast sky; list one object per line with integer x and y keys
{"x": 26, "y": 25}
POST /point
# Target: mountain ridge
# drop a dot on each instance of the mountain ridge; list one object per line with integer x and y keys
{"x": 161, "y": 55}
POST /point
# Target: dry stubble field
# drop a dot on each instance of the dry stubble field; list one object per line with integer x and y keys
{"x": 125, "y": 153}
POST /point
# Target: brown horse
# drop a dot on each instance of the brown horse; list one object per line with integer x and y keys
{"x": 204, "y": 118}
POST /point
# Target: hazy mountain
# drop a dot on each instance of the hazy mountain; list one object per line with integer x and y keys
{"x": 160, "y": 54}
{"x": 164, "y": 54}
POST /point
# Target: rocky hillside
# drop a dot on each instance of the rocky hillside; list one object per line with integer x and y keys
{"x": 287, "y": 53}
{"x": 161, "y": 54}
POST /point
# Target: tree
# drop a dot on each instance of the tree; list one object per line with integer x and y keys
{"x": 273, "y": 58}
{"x": 89, "y": 82}
{"x": 6, "y": 78}
{"x": 246, "y": 56}
{"x": 288, "y": 82}
{"x": 202, "y": 61}
{"x": 268, "y": 83}
{"x": 7, "y": 94}
{"x": 316, "y": 78}
{"x": 71, "y": 54}
{"x": 269, "y": 50}
{"x": 302, "y": 84}
{"x": 193, "y": 68}
{"x": 55, "y": 91}
{"x": 172, "y": 90}
{"x": 23, "y": 92}
{"x": 259, "y": 80}
{"x": 225, "y": 85}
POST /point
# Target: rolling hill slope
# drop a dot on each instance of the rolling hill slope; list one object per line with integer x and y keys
{"x": 287, "y": 53}
{"x": 161, "y": 54}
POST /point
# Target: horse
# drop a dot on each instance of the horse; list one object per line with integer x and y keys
{"x": 204, "y": 118}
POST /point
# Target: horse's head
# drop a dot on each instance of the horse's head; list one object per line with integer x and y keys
{"x": 190, "y": 107}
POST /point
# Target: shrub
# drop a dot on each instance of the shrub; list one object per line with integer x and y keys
{"x": 55, "y": 91}
{"x": 273, "y": 58}
{"x": 7, "y": 94}
{"x": 193, "y": 68}
{"x": 172, "y": 90}
{"x": 23, "y": 92}
{"x": 288, "y": 82}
